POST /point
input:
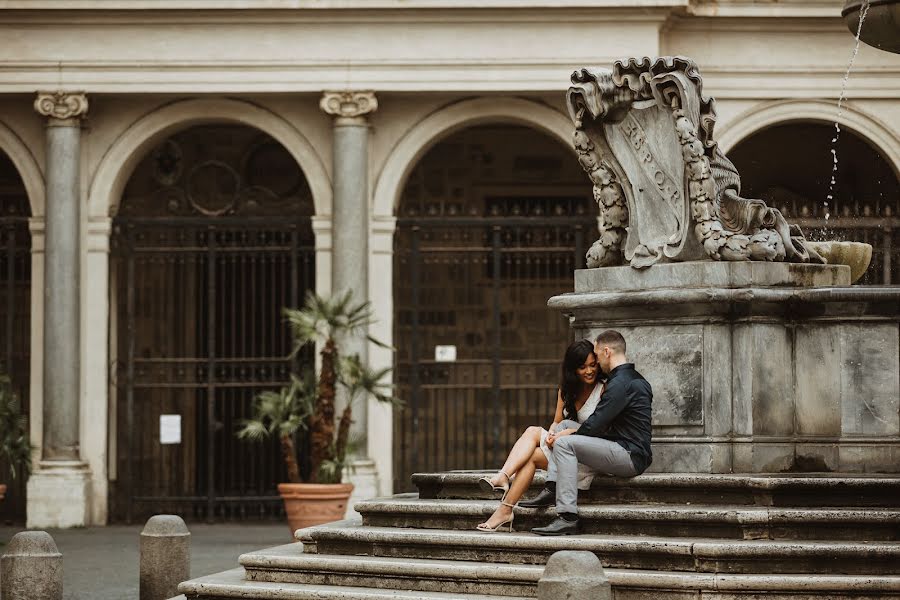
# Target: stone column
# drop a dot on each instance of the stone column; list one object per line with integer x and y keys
{"x": 58, "y": 491}
{"x": 350, "y": 233}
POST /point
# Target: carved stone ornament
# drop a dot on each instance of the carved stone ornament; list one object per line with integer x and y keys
{"x": 666, "y": 192}
{"x": 61, "y": 105}
{"x": 348, "y": 104}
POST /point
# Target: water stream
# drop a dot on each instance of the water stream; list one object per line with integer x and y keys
{"x": 840, "y": 112}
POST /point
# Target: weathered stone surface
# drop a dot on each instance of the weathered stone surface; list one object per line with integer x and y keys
{"x": 165, "y": 557}
{"x": 59, "y": 495}
{"x": 672, "y": 358}
{"x": 817, "y": 398}
{"x": 699, "y": 488}
{"x": 870, "y": 386}
{"x": 31, "y": 568}
{"x": 571, "y": 574}
{"x": 707, "y": 521}
{"x": 711, "y": 274}
{"x": 787, "y": 369}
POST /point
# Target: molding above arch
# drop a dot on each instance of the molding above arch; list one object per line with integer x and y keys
{"x": 765, "y": 115}
{"x": 450, "y": 119}
{"x": 121, "y": 158}
{"x": 27, "y": 166}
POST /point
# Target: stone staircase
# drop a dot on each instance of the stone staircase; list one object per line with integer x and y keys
{"x": 660, "y": 536}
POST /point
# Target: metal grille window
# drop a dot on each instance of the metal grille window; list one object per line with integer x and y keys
{"x": 212, "y": 241}
{"x": 493, "y": 222}
{"x": 15, "y": 317}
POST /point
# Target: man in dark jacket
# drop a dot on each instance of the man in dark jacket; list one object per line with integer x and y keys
{"x": 615, "y": 440}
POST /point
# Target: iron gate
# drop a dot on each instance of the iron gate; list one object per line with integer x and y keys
{"x": 200, "y": 303}
{"x": 15, "y": 318}
{"x": 212, "y": 241}
{"x": 479, "y": 286}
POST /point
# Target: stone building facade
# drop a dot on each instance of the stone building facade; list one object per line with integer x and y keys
{"x": 160, "y": 158}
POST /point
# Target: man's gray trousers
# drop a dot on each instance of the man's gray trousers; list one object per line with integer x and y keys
{"x": 602, "y": 456}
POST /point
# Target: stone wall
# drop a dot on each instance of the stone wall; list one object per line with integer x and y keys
{"x": 764, "y": 367}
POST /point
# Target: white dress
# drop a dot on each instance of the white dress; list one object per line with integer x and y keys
{"x": 585, "y": 474}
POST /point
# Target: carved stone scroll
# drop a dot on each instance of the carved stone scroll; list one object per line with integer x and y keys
{"x": 644, "y": 134}
{"x": 61, "y": 105}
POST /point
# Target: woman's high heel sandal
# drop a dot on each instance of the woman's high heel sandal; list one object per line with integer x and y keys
{"x": 487, "y": 485}
{"x": 507, "y": 523}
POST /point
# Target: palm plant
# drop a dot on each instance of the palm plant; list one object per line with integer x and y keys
{"x": 15, "y": 448}
{"x": 308, "y": 404}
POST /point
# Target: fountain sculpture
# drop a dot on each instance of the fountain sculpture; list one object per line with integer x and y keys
{"x": 762, "y": 356}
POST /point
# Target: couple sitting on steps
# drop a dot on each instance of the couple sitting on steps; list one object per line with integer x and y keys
{"x": 602, "y": 425}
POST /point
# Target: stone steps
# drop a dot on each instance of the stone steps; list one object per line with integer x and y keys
{"x": 291, "y": 565}
{"x": 630, "y": 552}
{"x": 288, "y": 564}
{"x": 784, "y": 490}
{"x": 659, "y": 536}
{"x": 233, "y": 584}
{"x": 735, "y": 522}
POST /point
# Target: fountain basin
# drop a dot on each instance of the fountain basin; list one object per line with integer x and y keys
{"x": 755, "y": 366}
{"x": 855, "y": 255}
{"x": 881, "y": 28}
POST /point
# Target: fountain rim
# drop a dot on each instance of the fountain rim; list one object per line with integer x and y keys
{"x": 855, "y": 5}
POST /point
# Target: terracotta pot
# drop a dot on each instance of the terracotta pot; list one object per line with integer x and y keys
{"x": 308, "y": 504}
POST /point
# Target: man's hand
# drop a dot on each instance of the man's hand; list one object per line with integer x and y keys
{"x": 551, "y": 439}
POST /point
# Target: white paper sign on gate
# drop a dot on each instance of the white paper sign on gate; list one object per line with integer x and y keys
{"x": 169, "y": 429}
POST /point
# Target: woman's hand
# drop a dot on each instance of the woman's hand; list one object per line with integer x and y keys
{"x": 551, "y": 439}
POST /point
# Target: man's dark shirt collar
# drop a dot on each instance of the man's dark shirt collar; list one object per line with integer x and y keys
{"x": 619, "y": 369}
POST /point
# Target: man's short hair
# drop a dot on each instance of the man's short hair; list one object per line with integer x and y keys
{"x": 613, "y": 339}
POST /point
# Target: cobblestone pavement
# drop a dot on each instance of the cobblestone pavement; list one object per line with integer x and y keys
{"x": 101, "y": 563}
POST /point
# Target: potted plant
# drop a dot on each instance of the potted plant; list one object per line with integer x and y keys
{"x": 308, "y": 405}
{"x": 15, "y": 449}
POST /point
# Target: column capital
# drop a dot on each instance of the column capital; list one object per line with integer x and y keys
{"x": 348, "y": 104}
{"x": 61, "y": 105}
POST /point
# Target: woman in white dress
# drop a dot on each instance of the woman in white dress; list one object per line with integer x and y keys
{"x": 579, "y": 393}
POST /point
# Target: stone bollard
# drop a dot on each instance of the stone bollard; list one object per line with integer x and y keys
{"x": 574, "y": 574}
{"x": 31, "y": 568}
{"x": 165, "y": 557}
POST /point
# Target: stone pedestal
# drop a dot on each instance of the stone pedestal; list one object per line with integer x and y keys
{"x": 755, "y": 367}
{"x": 364, "y": 477}
{"x": 59, "y": 495}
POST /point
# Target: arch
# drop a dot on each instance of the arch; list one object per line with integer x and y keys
{"x": 774, "y": 113}
{"x": 123, "y": 156}
{"x": 28, "y": 168}
{"x": 445, "y": 121}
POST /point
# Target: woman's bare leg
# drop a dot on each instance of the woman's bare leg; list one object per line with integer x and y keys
{"x": 520, "y": 454}
{"x": 519, "y": 486}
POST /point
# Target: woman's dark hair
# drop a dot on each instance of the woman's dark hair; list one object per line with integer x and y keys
{"x": 570, "y": 384}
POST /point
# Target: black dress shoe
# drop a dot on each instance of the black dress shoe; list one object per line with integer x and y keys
{"x": 559, "y": 526}
{"x": 543, "y": 500}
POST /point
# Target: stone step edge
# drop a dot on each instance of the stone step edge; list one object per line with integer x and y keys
{"x": 738, "y": 514}
{"x": 673, "y": 580}
{"x": 751, "y": 481}
{"x": 707, "y": 548}
{"x": 233, "y": 584}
